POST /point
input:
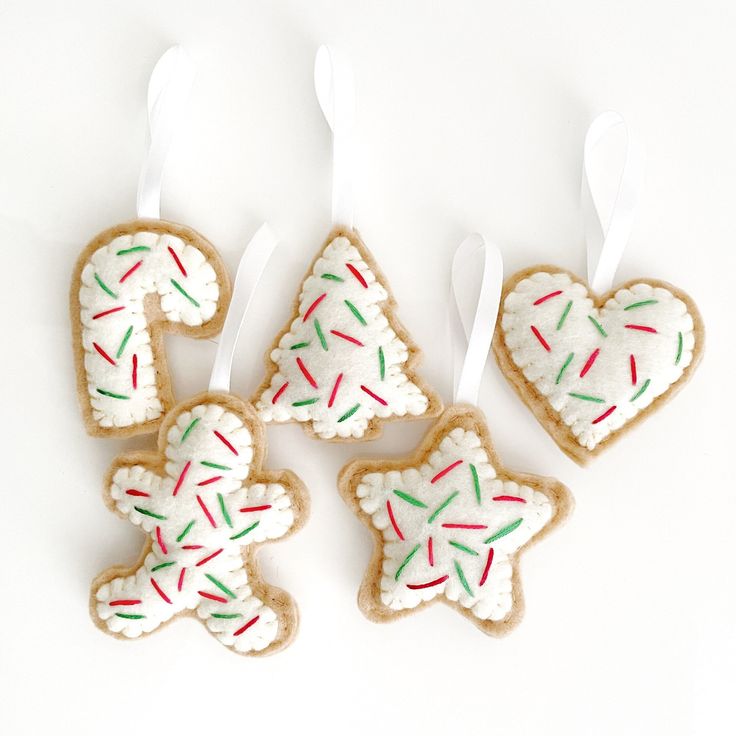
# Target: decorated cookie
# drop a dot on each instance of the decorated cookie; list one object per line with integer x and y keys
{"x": 343, "y": 365}
{"x": 591, "y": 367}
{"x": 130, "y": 284}
{"x": 205, "y": 504}
{"x": 449, "y": 524}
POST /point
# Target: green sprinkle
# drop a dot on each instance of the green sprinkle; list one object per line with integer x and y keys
{"x": 463, "y": 548}
{"x": 564, "y": 367}
{"x": 146, "y": 512}
{"x": 299, "y": 345}
{"x": 180, "y": 288}
{"x": 641, "y": 390}
{"x": 410, "y": 499}
{"x": 245, "y": 531}
{"x": 208, "y": 464}
{"x": 679, "y": 348}
{"x": 162, "y": 566}
{"x": 188, "y": 430}
{"x": 565, "y": 312}
{"x": 305, "y": 402}
{"x": 442, "y": 506}
{"x": 220, "y": 585}
{"x": 223, "y": 508}
{"x": 331, "y": 277}
{"x": 461, "y": 575}
{"x": 355, "y": 311}
{"x": 585, "y": 397}
{"x": 186, "y": 531}
{"x": 111, "y": 394}
{"x": 348, "y": 413}
{"x": 130, "y": 615}
{"x": 476, "y": 482}
{"x": 105, "y": 287}
{"x": 124, "y": 342}
{"x": 320, "y": 334}
{"x": 598, "y": 326}
{"x": 134, "y": 249}
{"x": 381, "y": 363}
{"x": 640, "y": 304}
{"x": 226, "y": 615}
{"x": 406, "y": 561}
{"x": 503, "y": 532}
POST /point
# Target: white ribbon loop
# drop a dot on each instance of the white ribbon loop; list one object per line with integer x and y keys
{"x": 250, "y": 269}
{"x": 168, "y": 91}
{"x": 477, "y": 314}
{"x": 333, "y": 83}
{"x": 606, "y": 245}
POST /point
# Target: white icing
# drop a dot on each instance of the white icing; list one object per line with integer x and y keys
{"x": 610, "y": 377}
{"x": 200, "y": 444}
{"x": 491, "y": 600}
{"x": 359, "y": 365}
{"x": 155, "y": 275}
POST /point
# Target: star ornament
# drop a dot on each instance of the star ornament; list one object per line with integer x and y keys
{"x": 449, "y": 524}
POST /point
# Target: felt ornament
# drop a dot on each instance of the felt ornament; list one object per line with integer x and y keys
{"x": 137, "y": 280}
{"x": 449, "y": 521}
{"x": 205, "y": 504}
{"x": 589, "y": 360}
{"x": 343, "y": 364}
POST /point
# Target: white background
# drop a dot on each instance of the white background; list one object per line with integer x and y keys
{"x": 471, "y": 117}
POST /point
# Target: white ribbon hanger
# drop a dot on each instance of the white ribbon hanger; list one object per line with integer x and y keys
{"x": 333, "y": 83}
{"x": 250, "y": 269}
{"x": 606, "y": 245}
{"x": 476, "y": 308}
{"x": 168, "y": 91}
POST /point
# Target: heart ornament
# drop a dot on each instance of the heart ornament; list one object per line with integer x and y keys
{"x": 592, "y": 367}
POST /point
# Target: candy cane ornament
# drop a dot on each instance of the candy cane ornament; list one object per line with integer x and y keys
{"x": 135, "y": 281}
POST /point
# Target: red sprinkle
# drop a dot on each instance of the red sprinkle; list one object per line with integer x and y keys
{"x": 539, "y": 337}
{"x": 509, "y": 498}
{"x": 277, "y": 395}
{"x": 605, "y": 414}
{"x": 642, "y": 328}
{"x": 130, "y": 271}
{"x": 446, "y": 470}
{"x": 347, "y": 337}
{"x": 160, "y": 540}
{"x": 373, "y": 396}
{"x": 109, "y": 311}
{"x": 212, "y": 597}
{"x": 192, "y": 546}
{"x": 430, "y": 552}
{"x": 464, "y": 526}
{"x": 225, "y": 442}
{"x": 306, "y": 373}
{"x": 123, "y": 602}
{"x": 210, "y": 480}
{"x": 334, "y": 391}
{"x": 181, "y": 478}
{"x": 430, "y": 584}
{"x": 247, "y": 509}
{"x": 547, "y": 296}
{"x": 206, "y": 512}
{"x": 589, "y": 363}
{"x": 208, "y": 558}
{"x": 178, "y": 262}
{"x": 159, "y": 591}
{"x": 134, "y": 376}
{"x": 487, "y": 568}
{"x": 393, "y": 521}
{"x": 103, "y": 354}
{"x": 357, "y": 275}
{"x": 632, "y": 363}
{"x": 135, "y": 492}
{"x": 313, "y": 306}
{"x": 181, "y": 579}
{"x": 245, "y": 627}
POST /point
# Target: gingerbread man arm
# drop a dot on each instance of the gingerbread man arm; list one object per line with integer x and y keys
{"x": 137, "y": 493}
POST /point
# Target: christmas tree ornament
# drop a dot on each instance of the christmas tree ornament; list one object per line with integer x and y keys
{"x": 343, "y": 365}
{"x": 205, "y": 503}
{"x": 449, "y": 521}
{"x": 137, "y": 280}
{"x": 591, "y": 361}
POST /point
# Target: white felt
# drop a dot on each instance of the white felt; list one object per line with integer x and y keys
{"x": 155, "y": 275}
{"x": 359, "y": 365}
{"x": 491, "y": 600}
{"x": 609, "y": 379}
{"x": 200, "y": 445}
